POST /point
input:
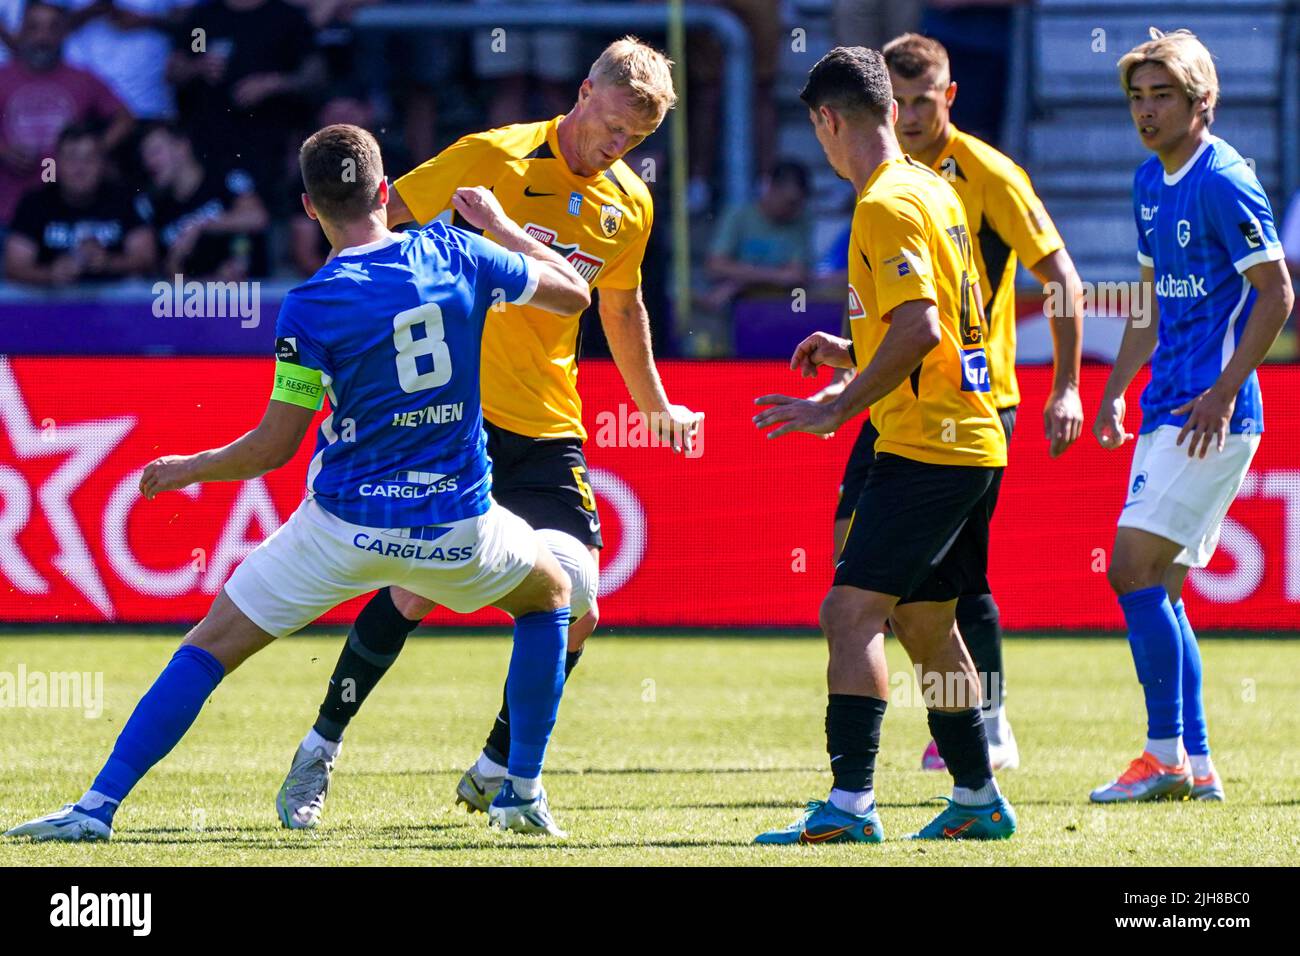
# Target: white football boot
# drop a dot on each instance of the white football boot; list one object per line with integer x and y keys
{"x": 509, "y": 811}
{"x": 69, "y": 824}
{"x": 301, "y": 799}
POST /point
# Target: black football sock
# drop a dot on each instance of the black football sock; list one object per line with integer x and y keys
{"x": 959, "y": 735}
{"x": 981, "y": 628}
{"x": 498, "y": 742}
{"x": 373, "y": 644}
{"x": 853, "y": 739}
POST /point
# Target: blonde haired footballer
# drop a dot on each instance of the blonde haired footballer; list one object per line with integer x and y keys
{"x": 564, "y": 180}
{"x": 919, "y": 533}
{"x": 1207, "y": 242}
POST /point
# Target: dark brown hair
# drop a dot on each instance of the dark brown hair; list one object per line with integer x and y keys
{"x": 341, "y": 171}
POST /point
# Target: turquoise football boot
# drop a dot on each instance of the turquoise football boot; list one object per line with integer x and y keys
{"x": 823, "y": 822}
{"x": 990, "y": 821}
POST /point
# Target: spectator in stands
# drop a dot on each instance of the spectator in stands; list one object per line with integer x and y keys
{"x": 514, "y": 61}
{"x": 245, "y": 72}
{"x": 308, "y": 246}
{"x": 977, "y": 34}
{"x": 764, "y": 245}
{"x": 11, "y": 19}
{"x": 408, "y": 75}
{"x": 125, "y": 43}
{"x": 873, "y": 23}
{"x": 80, "y": 227}
{"x": 704, "y": 60}
{"x": 208, "y": 223}
{"x": 40, "y": 95}
{"x": 760, "y": 248}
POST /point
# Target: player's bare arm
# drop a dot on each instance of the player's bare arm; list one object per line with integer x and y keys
{"x": 841, "y": 376}
{"x": 627, "y": 329}
{"x": 1063, "y": 413}
{"x": 267, "y": 447}
{"x": 913, "y": 334}
{"x": 398, "y": 212}
{"x": 1137, "y": 346}
{"x": 559, "y": 287}
{"x": 1210, "y": 413}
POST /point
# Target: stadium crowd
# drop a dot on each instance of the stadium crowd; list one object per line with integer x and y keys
{"x": 148, "y": 138}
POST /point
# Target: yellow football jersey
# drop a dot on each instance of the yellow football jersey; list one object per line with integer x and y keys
{"x": 1006, "y": 220}
{"x": 910, "y": 241}
{"x": 600, "y": 224}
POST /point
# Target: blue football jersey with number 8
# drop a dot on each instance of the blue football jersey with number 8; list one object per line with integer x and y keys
{"x": 393, "y": 330}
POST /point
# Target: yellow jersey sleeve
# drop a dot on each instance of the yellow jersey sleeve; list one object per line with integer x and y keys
{"x": 625, "y": 271}
{"x": 470, "y": 161}
{"x": 1018, "y": 216}
{"x": 892, "y": 234}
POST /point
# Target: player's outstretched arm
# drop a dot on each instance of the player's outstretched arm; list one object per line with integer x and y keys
{"x": 913, "y": 333}
{"x": 1135, "y": 348}
{"x": 1063, "y": 413}
{"x": 559, "y": 287}
{"x": 267, "y": 447}
{"x": 626, "y": 323}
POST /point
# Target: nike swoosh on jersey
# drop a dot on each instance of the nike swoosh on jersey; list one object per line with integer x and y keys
{"x": 528, "y": 191}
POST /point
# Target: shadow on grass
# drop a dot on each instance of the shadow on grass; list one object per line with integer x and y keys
{"x": 512, "y": 845}
{"x": 597, "y": 771}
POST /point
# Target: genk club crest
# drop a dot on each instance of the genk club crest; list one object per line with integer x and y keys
{"x": 611, "y": 218}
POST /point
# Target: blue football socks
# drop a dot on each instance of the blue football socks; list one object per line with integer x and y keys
{"x": 158, "y": 722}
{"x": 1196, "y": 737}
{"x": 1157, "y": 644}
{"x": 534, "y": 684}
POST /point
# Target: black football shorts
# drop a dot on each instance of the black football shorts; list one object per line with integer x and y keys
{"x": 544, "y": 481}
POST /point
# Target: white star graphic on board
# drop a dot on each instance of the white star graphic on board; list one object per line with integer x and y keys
{"x": 86, "y": 444}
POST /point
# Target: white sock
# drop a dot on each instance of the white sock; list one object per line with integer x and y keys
{"x": 487, "y": 767}
{"x": 1202, "y": 765}
{"x": 1168, "y": 751}
{"x": 996, "y": 726}
{"x": 856, "y": 802}
{"x": 93, "y": 800}
{"x": 527, "y": 787}
{"x": 976, "y": 798}
{"x": 314, "y": 741}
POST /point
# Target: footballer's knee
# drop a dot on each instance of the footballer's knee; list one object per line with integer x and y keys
{"x": 582, "y": 628}
{"x": 1128, "y": 573}
{"x": 579, "y": 564}
{"x": 848, "y": 613}
{"x": 1140, "y": 560}
{"x": 545, "y": 588}
{"x": 228, "y": 634}
{"x": 553, "y": 588}
{"x": 410, "y": 606}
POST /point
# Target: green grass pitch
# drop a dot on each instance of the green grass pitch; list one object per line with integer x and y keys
{"x": 669, "y": 751}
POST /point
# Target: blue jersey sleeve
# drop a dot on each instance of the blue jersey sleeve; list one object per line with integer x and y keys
{"x": 294, "y": 345}
{"x": 500, "y": 275}
{"x": 1240, "y": 217}
{"x": 1144, "y": 229}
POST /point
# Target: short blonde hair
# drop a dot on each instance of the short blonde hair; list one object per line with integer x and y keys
{"x": 639, "y": 68}
{"x": 1187, "y": 60}
{"x": 912, "y": 55}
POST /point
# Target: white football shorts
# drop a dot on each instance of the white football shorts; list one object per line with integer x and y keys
{"x": 316, "y": 561}
{"x": 1185, "y": 499}
{"x": 579, "y": 565}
